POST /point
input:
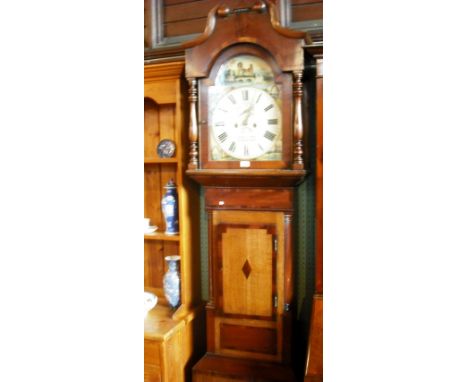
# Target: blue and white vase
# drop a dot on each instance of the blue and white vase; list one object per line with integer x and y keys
{"x": 170, "y": 208}
{"x": 171, "y": 281}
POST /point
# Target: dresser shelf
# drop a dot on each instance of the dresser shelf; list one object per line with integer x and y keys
{"x": 161, "y": 236}
{"x": 161, "y": 161}
{"x": 170, "y": 337}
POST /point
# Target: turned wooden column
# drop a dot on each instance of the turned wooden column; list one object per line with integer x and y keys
{"x": 193, "y": 125}
{"x": 298, "y": 161}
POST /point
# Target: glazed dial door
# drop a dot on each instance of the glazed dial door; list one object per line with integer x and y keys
{"x": 246, "y": 123}
{"x": 245, "y": 112}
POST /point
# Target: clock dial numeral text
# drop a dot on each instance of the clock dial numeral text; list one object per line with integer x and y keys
{"x": 223, "y": 136}
{"x": 245, "y": 124}
{"x": 269, "y": 135}
{"x": 232, "y": 148}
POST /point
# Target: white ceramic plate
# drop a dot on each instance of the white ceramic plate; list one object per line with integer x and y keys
{"x": 151, "y": 229}
{"x": 150, "y": 301}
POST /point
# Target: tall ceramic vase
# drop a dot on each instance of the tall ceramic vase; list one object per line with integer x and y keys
{"x": 171, "y": 281}
{"x": 170, "y": 208}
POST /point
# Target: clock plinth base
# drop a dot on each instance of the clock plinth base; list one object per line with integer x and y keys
{"x": 213, "y": 368}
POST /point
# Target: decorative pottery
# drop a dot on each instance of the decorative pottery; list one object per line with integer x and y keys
{"x": 166, "y": 148}
{"x": 170, "y": 208}
{"x": 150, "y": 301}
{"x": 171, "y": 281}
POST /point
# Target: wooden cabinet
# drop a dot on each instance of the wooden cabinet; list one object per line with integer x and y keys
{"x": 249, "y": 311}
{"x": 169, "y": 345}
{"x": 170, "y": 335}
{"x": 250, "y": 252}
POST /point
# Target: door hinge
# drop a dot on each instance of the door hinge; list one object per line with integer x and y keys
{"x": 275, "y": 301}
{"x": 275, "y": 244}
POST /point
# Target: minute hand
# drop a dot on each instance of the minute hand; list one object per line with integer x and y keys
{"x": 248, "y": 113}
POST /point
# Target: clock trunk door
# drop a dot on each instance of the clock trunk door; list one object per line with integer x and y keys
{"x": 248, "y": 321}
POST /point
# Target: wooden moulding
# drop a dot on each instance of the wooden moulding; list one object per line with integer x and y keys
{"x": 162, "y": 71}
{"x": 221, "y": 31}
{"x": 248, "y": 178}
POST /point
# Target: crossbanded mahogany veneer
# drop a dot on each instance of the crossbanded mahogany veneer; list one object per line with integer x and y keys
{"x": 247, "y": 149}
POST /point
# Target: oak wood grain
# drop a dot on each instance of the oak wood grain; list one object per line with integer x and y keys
{"x": 171, "y": 343}
{"x": 247, "y": 270}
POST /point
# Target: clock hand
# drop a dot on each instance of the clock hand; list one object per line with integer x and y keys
{"x": 247, "y": 110}
{"x": 248, "y": 113}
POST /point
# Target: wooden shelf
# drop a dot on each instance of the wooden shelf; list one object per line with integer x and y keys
{"x": 161, "y": 236}
{"x": 171, "y": 335}
{"x": 161, "y": 161}
{"x": 159, "y": 323}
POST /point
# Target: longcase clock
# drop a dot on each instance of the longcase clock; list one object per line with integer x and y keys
{"x": 247, "y": 149}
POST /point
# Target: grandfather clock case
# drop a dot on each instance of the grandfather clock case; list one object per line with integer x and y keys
{"x": 247, "y": 150}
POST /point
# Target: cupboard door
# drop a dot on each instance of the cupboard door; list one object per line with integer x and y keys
{"x": 248, "y": 321}
{"x": 246, "y": 270}
{"x": 152, "y": 361}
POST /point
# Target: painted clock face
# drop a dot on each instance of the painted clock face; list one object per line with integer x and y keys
{"x": 244, "y": 113}
{"x": 246, "y": 123}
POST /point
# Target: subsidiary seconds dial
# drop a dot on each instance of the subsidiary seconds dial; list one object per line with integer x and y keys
{"x": 246, "y": 122}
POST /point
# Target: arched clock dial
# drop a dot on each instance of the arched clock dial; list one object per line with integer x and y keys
{"x": 246, "y": 122}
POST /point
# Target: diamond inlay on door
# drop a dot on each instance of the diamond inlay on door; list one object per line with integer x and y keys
{"x": 246, "y": 269}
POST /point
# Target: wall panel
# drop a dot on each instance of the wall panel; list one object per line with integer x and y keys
{"x": 312, "y": 10}
{"x": 169, "y": 22}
